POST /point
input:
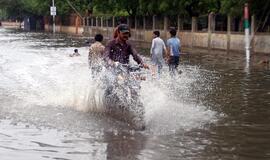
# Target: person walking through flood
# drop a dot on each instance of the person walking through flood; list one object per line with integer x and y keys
{"x": 119, "y": 49}
{"x": 76, "y": 53}
{"x": 157, "y": 51}
{"x": 173, "y": 50}
{"x": 96, "y": 51}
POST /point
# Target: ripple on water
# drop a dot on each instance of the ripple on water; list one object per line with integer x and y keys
{"x": 33, "y": 143}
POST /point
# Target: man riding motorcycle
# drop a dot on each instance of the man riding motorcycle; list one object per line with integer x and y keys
{"x": 122, "y": 100}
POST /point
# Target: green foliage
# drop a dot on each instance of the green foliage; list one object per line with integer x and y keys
{"x": 233, "y": 7}
{"x": 67, "y": 7}
{"x": 12, "y": 8}
{"x": 35, "y": 7}
{"x": 20, "y": 8}
{"x": 3, "y": 14}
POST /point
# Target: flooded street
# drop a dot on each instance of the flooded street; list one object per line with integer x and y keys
{"x": 216, "y": 109}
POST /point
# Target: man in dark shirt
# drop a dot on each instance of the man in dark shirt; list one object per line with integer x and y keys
{"x": 119, "y": 49}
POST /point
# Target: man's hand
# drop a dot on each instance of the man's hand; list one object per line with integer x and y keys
{"x": 115, "y": 64}
{"x": 111, "y": 63}
{"x": 145, "y": 66}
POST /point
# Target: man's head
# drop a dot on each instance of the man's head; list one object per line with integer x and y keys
{"x": 98, "y": 37}
{"x": 156, "y": 33}
{"x": 173, "y": 32}
{"x": 75, "y": 50}
{"x": 123, "y": 32}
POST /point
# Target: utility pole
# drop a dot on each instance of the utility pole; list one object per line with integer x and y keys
{"x": 247, "y": 37}
{"x": 53, "y": 13}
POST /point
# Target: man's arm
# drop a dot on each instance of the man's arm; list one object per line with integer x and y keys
{"x": 137, "y": 58}
{"x": 168, "y": 49}
{"x": 152, "y": 47}
{"x": 135, "y": 55}
{"x": 179, "y": 45}
{"x": 164, "y": 48}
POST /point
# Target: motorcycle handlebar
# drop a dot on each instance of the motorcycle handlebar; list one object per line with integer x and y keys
{"x": 129, "y": 67}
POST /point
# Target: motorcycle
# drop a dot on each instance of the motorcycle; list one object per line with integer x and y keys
{"x": 122, "y": 99}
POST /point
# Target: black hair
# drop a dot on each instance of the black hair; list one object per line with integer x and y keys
{"x": 173, "y": 32}
{"x": 75, "y": 50}
{"x": 99, "y": 37}
{"x": 157, "y": 33}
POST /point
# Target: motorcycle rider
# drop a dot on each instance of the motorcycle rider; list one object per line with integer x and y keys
{"x": 119, "y": 49}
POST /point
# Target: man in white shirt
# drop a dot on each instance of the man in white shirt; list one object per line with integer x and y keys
{"x": 158, "y": 49}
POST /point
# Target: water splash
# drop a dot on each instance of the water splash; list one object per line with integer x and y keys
{"x": 171, "y": 102}
{"x": 49, "y": 77}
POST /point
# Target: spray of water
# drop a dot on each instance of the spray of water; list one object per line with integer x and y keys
{"x": 47, "y": 76}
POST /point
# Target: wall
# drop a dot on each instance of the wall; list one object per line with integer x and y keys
{"x": 205, "y": 39}
{"x": 237, "y": 42}
{"x": 219, "y": 41}
{"x": 226, "y": 40}
{"x": 71, "y": 24}
{"x": 15, "y": 25}
{"x": 262, "y": 43}
{"x": 64, "y": 29}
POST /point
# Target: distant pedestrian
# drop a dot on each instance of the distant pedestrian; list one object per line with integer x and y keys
{"x": 173, "y": 50}
{"x": 76, "y": 53}
{"x": 96, "y": 51}
{"x": 157, "y": 51}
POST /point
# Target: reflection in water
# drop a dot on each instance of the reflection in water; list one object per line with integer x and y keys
{"x": 30, "y": 143}
{"x": 243, "y": 97}
{"x": 124, "y": 145}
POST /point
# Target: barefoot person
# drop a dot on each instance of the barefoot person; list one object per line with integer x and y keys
{"x": 76, "y": 53}
{"x": 157, "y": 51}
{"x": 173, "y": 50}
{"x": 96, "y": 49}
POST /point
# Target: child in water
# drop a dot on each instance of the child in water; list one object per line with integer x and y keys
{"x": 76, "y": 53}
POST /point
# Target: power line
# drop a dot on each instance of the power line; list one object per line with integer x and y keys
{"x": 78, "y": 13}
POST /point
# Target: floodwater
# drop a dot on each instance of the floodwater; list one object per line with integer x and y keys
{"x": 218, "y": 108}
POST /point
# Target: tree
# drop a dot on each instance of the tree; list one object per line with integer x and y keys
{"x": 12, "y": 8}
{"x": 20, "y": 8}
{"x": 35, "y": 7}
